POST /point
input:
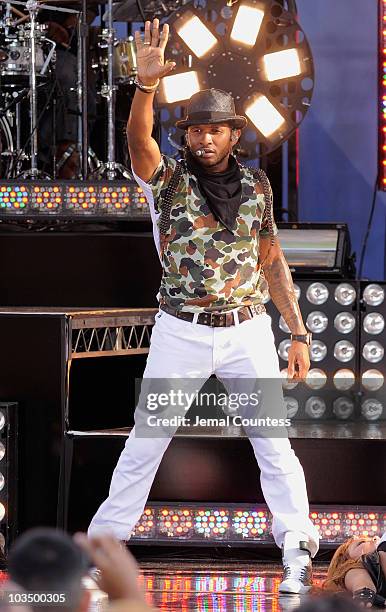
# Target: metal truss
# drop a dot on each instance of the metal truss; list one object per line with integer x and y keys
{"x": 111, "y": 333}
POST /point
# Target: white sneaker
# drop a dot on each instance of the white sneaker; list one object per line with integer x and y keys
{"x": 297, "y": 576}
{"x": 296, "y": 580}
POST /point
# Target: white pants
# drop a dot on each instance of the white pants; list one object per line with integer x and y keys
{"x": 189, "y": 350}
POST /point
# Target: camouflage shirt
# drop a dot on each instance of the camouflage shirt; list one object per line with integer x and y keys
{"x": 205, "y": 266}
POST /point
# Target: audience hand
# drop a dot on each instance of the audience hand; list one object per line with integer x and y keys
{"x": 119, "y": 570}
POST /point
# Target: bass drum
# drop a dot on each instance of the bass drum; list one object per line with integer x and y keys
{"x": 6, "y": 149}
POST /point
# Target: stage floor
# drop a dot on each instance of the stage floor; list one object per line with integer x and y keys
{"x": 218, "y": 587}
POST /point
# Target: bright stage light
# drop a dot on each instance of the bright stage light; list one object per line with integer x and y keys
{"x": 373, "y": 295}
{"x": 180, "y": 86}
{"x": 264, "y": 116}
{"x": 288, "y": 383}
{"x": 344, "y": 350}
{"x": 226, "y": 45}
{"x": 315, "y": 407}
{"x": 292, "y": 406}
{"x": 345, "y": 294}
{"x": 196, "y": 35}
{"x": 344, "y": 322}
{"x": 316, "y": 378}
{"x": 247, "y": 25}
{"x": 283, "y": 349}
{"x": 344, "y": 379}
{"x": 318, "y": 350}
{"x": 283, "y": 325}
{"x": 371, "y": 409}
{"x": 343, "y": 408}
{"x": 317, "y": 293}
{"x": 317, "y": 322}
{"x": 373, "y": 351}
{"x": 282, "y": 64}
{"x": 373, "y": 323}
{"x": 372, "y": 380}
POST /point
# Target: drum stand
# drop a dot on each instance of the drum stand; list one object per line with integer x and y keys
{"x": 110, "y": 169}
{"x": 33, "y": 172}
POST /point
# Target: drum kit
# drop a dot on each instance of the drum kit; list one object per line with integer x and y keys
{"x": 27, "y": 69}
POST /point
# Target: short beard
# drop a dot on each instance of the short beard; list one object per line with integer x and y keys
{"x": 214, "y": 163}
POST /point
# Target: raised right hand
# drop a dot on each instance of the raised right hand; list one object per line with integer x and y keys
{"x": 150, "y": 53}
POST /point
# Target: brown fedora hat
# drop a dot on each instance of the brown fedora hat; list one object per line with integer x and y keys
{"x": 212, "y": 106}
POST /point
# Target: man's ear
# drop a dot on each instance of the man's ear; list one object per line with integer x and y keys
{"x": 235, "y": 135}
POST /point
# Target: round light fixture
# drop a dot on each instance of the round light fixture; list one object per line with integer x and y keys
{"x": 264, "y": 48}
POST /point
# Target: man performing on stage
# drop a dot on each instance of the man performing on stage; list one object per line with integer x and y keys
{"x": 219, "y": 251}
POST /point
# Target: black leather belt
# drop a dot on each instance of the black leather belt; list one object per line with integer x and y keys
{"x": 217, "y": 319}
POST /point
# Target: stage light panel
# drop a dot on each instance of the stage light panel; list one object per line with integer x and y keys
{"x": 118, "y": 199}
{"x": 247, "y": 24}
{"x": 212, "y": 523}
{"x": 13, "y": 198}
{"x": 8, "y": 472}
{"x": 195, "y": 34}
{"x": 146, "y": 524}
{"x": 282, "y": 64}
{"x": 180, "y": 86}
{"x": 250, "y": 524}
{"x": 176, "y": 522}
{"x": 46, "y": 198}
{"x": 264, "y": 116}
{"x": 81, "y": 198}
{"x": 373, "y": 342}
{"x": 329, "y": 525}
{"x": 332, "y": 374}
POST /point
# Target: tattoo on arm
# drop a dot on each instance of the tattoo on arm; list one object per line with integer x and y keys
{"x": 281, "y": 289}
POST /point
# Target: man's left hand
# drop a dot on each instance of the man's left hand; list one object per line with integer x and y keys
{"x": 298, "y": 360}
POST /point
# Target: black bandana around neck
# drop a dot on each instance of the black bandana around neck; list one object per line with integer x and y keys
{"x": 222, "y": 190}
